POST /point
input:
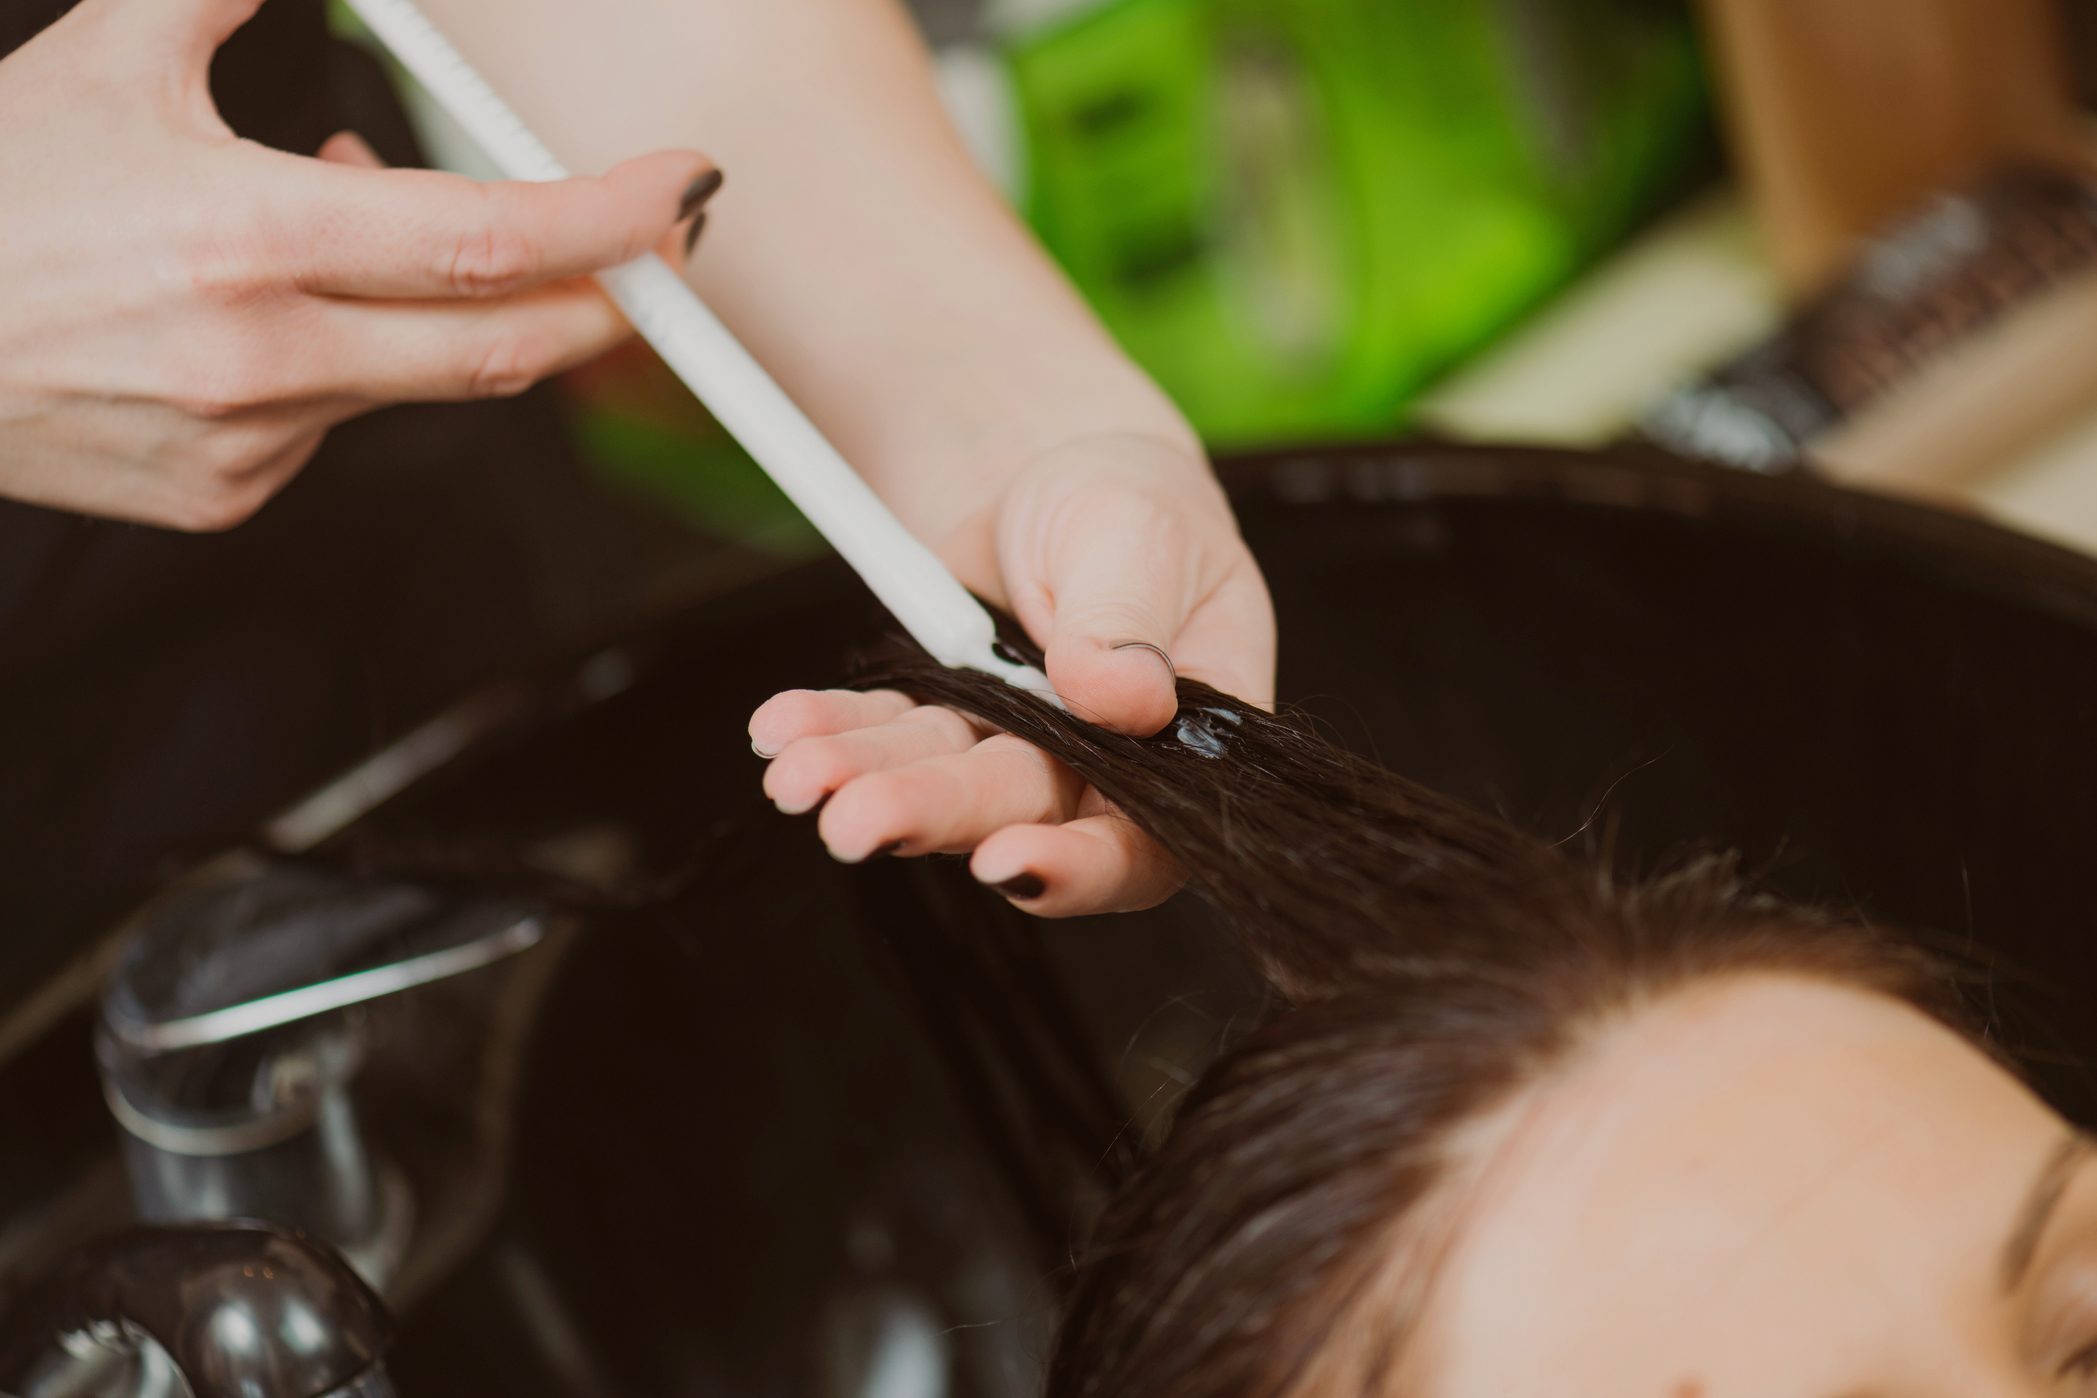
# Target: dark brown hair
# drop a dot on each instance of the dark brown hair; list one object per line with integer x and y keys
{"x": 1432, "y": 960}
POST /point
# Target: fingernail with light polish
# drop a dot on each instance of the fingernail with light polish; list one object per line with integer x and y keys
{"x": 767, "y": 756}
{"x": 1022, "y": 886}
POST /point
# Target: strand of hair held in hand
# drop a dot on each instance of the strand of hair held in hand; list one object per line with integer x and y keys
{"x": 1306, "y": 848}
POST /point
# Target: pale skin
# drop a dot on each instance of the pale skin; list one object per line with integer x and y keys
{"x": 190, "y": 314}
{"x": 1770, "y": 1188}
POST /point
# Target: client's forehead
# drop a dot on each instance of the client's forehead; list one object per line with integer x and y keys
{"x": 1756, "y": 1186}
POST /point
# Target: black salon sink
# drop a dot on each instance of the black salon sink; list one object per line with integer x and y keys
{"x": 761, "y": 1124}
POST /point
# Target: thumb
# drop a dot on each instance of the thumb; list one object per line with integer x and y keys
{"x": 162, "y": 49}
{"x": 1121, "y": 596}
{"x": 179, "y": 33}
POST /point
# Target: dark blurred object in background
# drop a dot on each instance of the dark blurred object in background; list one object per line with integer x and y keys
{"x": 1954, "y": 337}
{"x": 1920, "y": 174}
{"x": 2080, "y": 23}
{"x": 1844, "y": 117}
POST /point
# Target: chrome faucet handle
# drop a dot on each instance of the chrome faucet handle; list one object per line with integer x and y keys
{"x": 241, "y": 1310}
{"x": 291, "y": 943}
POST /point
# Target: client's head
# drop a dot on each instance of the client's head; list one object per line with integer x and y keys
{"x": 1704, "y": 1150}
{"x": 1527, "y": 1129}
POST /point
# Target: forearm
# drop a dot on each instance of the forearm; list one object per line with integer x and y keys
{"x": 856, "y": 249}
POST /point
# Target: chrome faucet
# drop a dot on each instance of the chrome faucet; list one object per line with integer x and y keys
{"x": 233, "y": 1028}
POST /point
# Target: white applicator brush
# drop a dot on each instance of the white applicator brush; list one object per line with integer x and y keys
{"x": 909, "y": 579}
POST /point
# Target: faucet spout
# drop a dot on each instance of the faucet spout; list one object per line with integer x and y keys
{"x": 231, "y": 1034}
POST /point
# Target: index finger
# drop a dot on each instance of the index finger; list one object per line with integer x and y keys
{"x": 427, "y": 234}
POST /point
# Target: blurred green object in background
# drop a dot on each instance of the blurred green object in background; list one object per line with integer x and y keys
{"x": 1295, "y": 213}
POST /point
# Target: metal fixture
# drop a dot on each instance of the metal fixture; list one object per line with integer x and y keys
{"x": 233, "y": 1028}
{"x": 204, "y": 1311}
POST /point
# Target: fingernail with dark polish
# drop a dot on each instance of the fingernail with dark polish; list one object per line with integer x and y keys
{"x": 691, "y": 237}
{"x": 884, "y": 851}
{"x": 697, "y": 193}
{"x": 1023, "y": 886}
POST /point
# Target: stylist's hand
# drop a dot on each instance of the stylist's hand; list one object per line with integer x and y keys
{"x": 184, "y": 314}
{"x": 1114, "y": 553}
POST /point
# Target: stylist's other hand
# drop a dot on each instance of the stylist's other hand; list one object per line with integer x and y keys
{"x": 1114, "y": 553}
{"x": 184, "y": 314}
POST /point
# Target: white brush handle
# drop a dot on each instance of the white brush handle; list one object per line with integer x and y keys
{"x": 908, "y": 577}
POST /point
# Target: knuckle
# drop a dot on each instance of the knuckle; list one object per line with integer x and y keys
{"x": 491, "y": 261}
{"x": 204, "y": 399}
{"x": 212, "y": 506}
{"x": 223, "y": 457}
{"x": 508, "y": 365}
{"x": 230, "y": 378}
{"x": 214, "y": 271}
{"x": 221, "y": 254}
{"x": 207, "y": 393}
